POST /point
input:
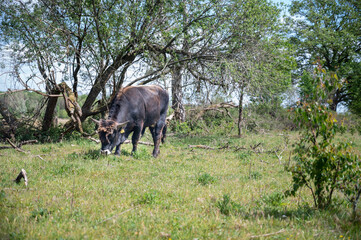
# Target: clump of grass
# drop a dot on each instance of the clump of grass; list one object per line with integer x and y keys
{"x": 40, "y": 213}
{"x": 47, "y": 149}
{"x": 73, "y": 156}
{"x": 148, "y": 197}
{"x": 226, "y": 206}
{"x": 63, "y": 170}
{"x": 2, "y": 194}
{"x": 205, "y": 179}
{"x": 255, "y": 175}
{"x": 92, "y": 155}
{"x": 274, "y": 199}
{"x": 142, "y": 154}
{"x": 124, "y": 153}
{"x": 244, "y": 156}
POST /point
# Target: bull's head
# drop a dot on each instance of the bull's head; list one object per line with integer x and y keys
{"x": 111, "y": 134}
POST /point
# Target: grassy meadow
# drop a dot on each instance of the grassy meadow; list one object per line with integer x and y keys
{"x": 232, "y": 192}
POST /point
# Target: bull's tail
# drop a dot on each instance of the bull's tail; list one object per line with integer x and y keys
{"x": 164, "y": 133}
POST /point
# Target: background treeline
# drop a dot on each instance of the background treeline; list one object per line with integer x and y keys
{"x": 215, "y": 119}
{"x": 256, "y": 54}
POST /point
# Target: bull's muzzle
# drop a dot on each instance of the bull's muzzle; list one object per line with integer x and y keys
{"x": 105, "y": 152}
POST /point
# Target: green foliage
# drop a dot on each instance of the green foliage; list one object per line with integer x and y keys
{"x": 319, "y": 163}
{"x": 275, "y": 199}
{"x": 205, "y": 179}
{"x": 40, "y": 213}
{"x": 24, "y": 133}
{"x": 227, "y": 207}
{"x": 23, "y": 104}
{"x": 204, "y": 123}
{"x": 306, "y": 86}
{"x": 64, "y": 170}
{"x": 255, "y": 175}
{"x": 353, "y": 88}
{"x": 148, "y": 197}
{"x": 224, "y": 205}
{"x": 92, "y": 155}
{"x": 329, "y": 31}
{"x": 142, "y": 154}
{"x": 181, "y": 127}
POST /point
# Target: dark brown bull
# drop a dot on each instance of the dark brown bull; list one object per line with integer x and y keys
{"x": 132, "y": 110}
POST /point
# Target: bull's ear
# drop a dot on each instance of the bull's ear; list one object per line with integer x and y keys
{"x": 120, "y": 125}
{"x": 96, "y": 121}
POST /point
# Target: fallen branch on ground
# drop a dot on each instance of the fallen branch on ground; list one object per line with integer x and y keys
{"x": 235, "y": 148}
{"x": 21, "y": 175}
{"x": 18, "y": 146}
{"x": 15, "y": 147}
{"x": 140, "y": 142}
{"x": 125, "y": 142}
{"x": 201, "y": 146}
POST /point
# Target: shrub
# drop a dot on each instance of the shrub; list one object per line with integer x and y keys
{"x": 319, "y": 164}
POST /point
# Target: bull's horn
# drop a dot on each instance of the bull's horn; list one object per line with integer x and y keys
{"x": 120, "y": 125}
{"x": 96, "y": 121}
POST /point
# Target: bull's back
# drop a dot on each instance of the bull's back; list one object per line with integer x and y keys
{"x": 153, "y": 100}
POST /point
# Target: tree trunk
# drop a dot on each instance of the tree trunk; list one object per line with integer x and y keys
{"x": 335, "y": 100}
{"x": 240, "y": 114}
{"x": 101, "y": 80}
{"x": 177, "y": 94}
{"x": 48, "y": 120}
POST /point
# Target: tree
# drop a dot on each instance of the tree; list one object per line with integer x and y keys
{"x": 86, "y": 43}
{"x": 255, "y": 61}
{"x": 328, "y": 31}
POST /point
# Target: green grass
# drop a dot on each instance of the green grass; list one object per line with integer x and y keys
{"x": 76, "y": 193}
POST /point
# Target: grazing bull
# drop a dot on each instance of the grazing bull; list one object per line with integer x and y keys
{"x": 132, "y": 110}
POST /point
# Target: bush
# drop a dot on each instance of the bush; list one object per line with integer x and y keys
{"x": 319, "y": 164}
{"x": 24, "y": 133}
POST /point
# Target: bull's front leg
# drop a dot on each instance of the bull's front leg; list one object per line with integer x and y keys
{"x": 135, "y": 138}
{"x": 117, "y": 150}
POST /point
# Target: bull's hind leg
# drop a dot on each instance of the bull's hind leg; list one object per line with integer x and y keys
{"x": 157, "y": 134}
{"x": 164, "y": 133}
